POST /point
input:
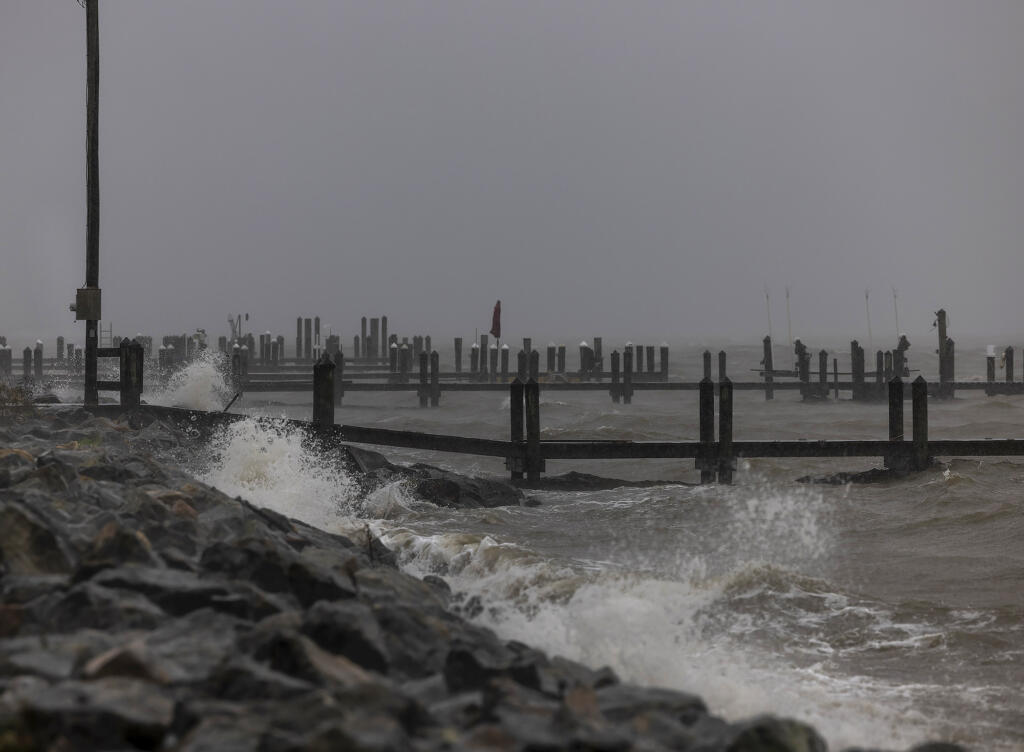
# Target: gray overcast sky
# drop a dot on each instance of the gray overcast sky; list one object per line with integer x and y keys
{"x": 616, "y": 168}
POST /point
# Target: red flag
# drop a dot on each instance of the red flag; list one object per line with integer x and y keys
{"x": 496, "y": 321}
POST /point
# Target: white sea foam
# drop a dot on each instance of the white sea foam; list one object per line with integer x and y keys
{"x": 268, "y": 463}
{"x": 657, "y": 629}
{"x": 200, "y": 385}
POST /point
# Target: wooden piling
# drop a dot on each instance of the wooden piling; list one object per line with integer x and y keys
{"x": 130, "y": 356}
{"x": 515, "y": 464}
{"x": 857, "y": 370}
{"x": 534, "y": 365}
{"x": 835, "y": 377}
{"x": 504, "y": 364}
{"x": 323, "y": 392}
{"x": 598, "y": 355}
{"x": 404, "y": 362}
{"x": 280, "y": 349}
{"x": 721, "y": 365}
{"x": 458, "y": 355}
{"x": 823, "y": 374}
{"x": 879, "y": 368}
{"x": 375, "y": 337}
{"x": 493, "y": 362}
{"x": 521, "y": 366}
{"x": 888, "y": 365}
{"x": 561, "y": 359}
{"x": 1008, "y": 355}
{"x": 664, "y": 361}
{"x": 435, "y": 379}
{"x": 393, "y": 359}
{"x": 950, "y": 387}
{"x": 919, "y": 417}
{"x": 586, "y": 361}
{"x": 316, "y": 337}
{"x": 627, "y": 375}
{"x": 768, "y": 365}
{"x": 474, "y": 360}
{"x": 26, "y": 365}
{"x": 527, "y": 344}
{"x": 483, "y": 356}
{"x": 339, "y": 377}
{"x": 531, "y": 398}
{"x": 615, "y": 390}
{"x": 990, "y": 369}
{"x": 424, "y": 391}
{"x": 650, "y": 360}
{"x": 37, "y": 361}
{"x": 362, "y": 338}
{"x": 551, "y": 358}
{"x": 307, "y": 343}
{"x": 896, "y": 457}
{"x": 60, "y": 348}
{"x": 706, "y": 462}
{"x": 726, "y": 461}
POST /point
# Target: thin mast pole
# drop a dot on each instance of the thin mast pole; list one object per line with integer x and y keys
{"x": 92, "y": 178}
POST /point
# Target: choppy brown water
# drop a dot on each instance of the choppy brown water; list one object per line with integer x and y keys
{"x": 884, "y": 614}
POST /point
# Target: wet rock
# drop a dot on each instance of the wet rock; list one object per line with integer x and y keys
{"x": 620, "y": 702}
{"x": 90, "y": 606}
{"x": 102, "y": 714}
{"x": 449, "y": 489}
{"x": 347, "y": 628}
{"x": 770, "y": 734}
{"x": 29, "y": 545}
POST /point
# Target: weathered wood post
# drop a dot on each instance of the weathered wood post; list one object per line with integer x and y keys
{"x": 236, "y": 364}
{"x": 940, "y": 322}
{"x": 627, "y": 374}
{"x": 504, "y": 363}
{"x": 707, "y": 364}
{"x": 474, "y": 360}
{"x": 26, "y": 365}
{"x": 726, "y": 461}
{"x": 493, "y": 358}
{"x": 515, "y": 464}
{"x": 374, "y": 338}
{"x": 1008, "y": 354}
{"x": 60, "y": 348}
{"x": 298, "y": 338}
{"x": 586, "y": 361}
{"x": 664, "y": 361}
{"x": 615, "y": 390}
{"x": 823, "y": 374}
{"x": 245, "y": 364}
{"x": 280, "y": 349}
{"x": 323, "y": 392}
{"x": 385, "y": 343}
{"x": 404, "y": 362}
{"x": 71, "y": 352}
{"x": 551, "y": 357}
{"x": 339, "y": 377}
{"x": 835, "y": 377}
{"x": 307, "y": 344}
{"x": 534, "y": 365}
{"x": 706, "y": 461}
{"x": 527, "y": 344}
{"x": 857, "y": 370}
{"x": 435, "y": 379}
{"x": 879, "y": 373}
{"x": 561, "y": 359}
{"x": 650, "y": 360}
{"x": 888, "y": 365}
{"x": 37, "y": 360}
{"x": 417, "y": 345}
{"x": 521, "y": 365}
{"x": 638, "y": 359}
{"x": 316, "y": 337}
{"x": 896, "y": 457}
{"x": 919, "y": 416}
{"x": 5, "y": 361}
{"x": 362, "y": 338}
{"x": 768, "y": 366}
{"x": 458, "y": 355}
{"x": 393, "y": 361}
{"x": 424, "y": 391}
{"x": 131, "y": 359}
{"x": 721, "y": 365}
{"x": 990, "y": 368}
{"x": 534, "y": 464}
{"x": 483, "y": 356}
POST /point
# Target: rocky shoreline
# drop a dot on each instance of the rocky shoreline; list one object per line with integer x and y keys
{"x": 142, "y": 609}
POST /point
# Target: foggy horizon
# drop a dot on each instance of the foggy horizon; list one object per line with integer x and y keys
{"x": 603, "y": 169}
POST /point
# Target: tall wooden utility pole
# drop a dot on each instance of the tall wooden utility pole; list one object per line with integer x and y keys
{"x": 91, "y": 298}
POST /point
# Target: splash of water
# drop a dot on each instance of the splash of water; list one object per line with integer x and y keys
{"x": 202, "y": 384}
{"x": 271, "y": 465}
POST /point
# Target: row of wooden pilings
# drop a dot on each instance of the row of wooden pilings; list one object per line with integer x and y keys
{"x": 716, "y": 459}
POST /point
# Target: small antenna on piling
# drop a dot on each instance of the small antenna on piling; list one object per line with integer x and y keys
{"x": 896, "y": 312}
{"x": 867, "y": 310}
{"x": 789, "y": 324}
